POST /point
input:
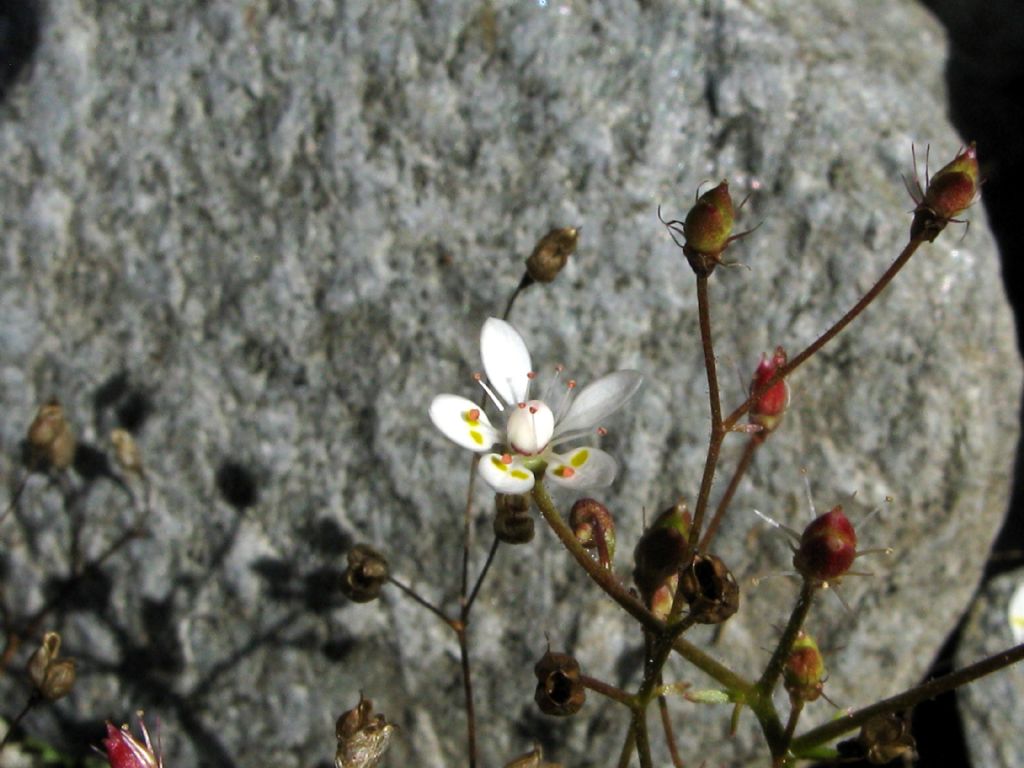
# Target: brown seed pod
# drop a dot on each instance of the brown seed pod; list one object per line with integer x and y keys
{"x": 513, "y": 523}
{"x": 709, "y": 589}
{"x": 559, "y": 690}
{"x": 366, "y": 574}
{"x": 551, "y": 253}
{"x": 363, "y": 737}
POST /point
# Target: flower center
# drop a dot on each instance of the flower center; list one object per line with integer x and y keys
{"x": 530, "y": 426}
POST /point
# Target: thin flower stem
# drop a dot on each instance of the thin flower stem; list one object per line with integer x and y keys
{"x": 425, "y": 603}
{"x": 794, "y": 718}
{"x": 828, "y": 335}
{"x": 730, "y": 491}
{"x": 643, "y": 744}
{"x": 666, "y": 724}
{"x": 717, "y": 430}
{"x": 902, "y": 701}
{"x": 796, "y": 620}
{"x": 467, "y": 689}
{"x": 480, "y": 579}
{"x": 15, "y": 498}
{"x": 628, "y": 744}
{"x": 611, "y": 585}
{"x": 34, "y": 699}
{"x": 607, "y": 690}
{"x": 467, "y": 525}
{"x": 524, "y": 283}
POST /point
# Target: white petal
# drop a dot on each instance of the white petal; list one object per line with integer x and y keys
{"x": 583, "y": 467}
{"x": 598, "y": 400}
{"x": 506, "y": 360}
{"x": 1016, "y": 612}
{"x": 505, "y": 478}
{"x": 455, "y": 417}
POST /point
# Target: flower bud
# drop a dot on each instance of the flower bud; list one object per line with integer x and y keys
{"x": 551, "y": 254}
{"x": 52, "y": 677}
{"x": 594, "y": 528}
{"x": 662, "y": 550}
{"x": 51, "y": 438}
{"x": 709, "y": 589}
{"x": 513, "y": 523}
{"x": 126, "y": 451}
{"x": 827, "y": 547}
{"x": 363, "y": 737}
{"x": 125, "y": 751}
{"x": 559, "y": 689}
{"x": 767, "y": 410}
{"x": 366, "y": 574}
{"x": 804, "y": 670}
{"x": 950, "y": 191}
{"x": 708, "y": 225}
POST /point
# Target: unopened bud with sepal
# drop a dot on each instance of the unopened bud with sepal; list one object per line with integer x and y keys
{"x": 769, "y": 406}
{"x": 662, "y": 550}
{"x": 827, "y": 548}
{"x": 804, "y": 671}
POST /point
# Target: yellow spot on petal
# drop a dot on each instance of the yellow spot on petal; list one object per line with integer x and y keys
{"x": 580, "y": 458}
{"x": 477, "y": 437}
{"x": 497, "y": 462}
{"x": 518, "y": 474}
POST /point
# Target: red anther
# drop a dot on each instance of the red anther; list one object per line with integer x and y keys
{"x": 477, "y": 376}
{"x": 533, "y": 409}
{"x": 571, "y": 384}
{"x": 473, "y": 414}
{"x": 506, "y": 458}
{"x": 602, "y": 431}
{"x": 566, "y": 471}
{"x": 531, "y": 375}
{"x": 559, "y": 368}
{"x": 521, "y": 405}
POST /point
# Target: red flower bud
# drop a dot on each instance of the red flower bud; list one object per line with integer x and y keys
{"x": 767, "y": 410}
{"x": 125, "y": 751}
{"x": 950, "y": 191}
{"x": 827, "y": 548}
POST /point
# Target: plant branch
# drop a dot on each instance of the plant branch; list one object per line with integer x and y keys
{"x": 830, "y": 334}
{"x": 907, "y": 699}
{"x": 730, "y": 491}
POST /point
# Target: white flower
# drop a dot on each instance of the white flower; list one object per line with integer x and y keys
{"x": 532, "y": 427}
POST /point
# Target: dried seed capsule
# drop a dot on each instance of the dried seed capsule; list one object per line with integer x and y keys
{"x": 363, "y": 737}
{"x": 551, "y": 253}
{"x": 885, "y": 738}
{"x": 559, "y": 690}
{"x": 126, "y": 451}
{"x": 804, "y": 670}
{"x": 366, "y": 574}
{"x": 513, "y": 523}
{"x": 710, "y": 590}
{"x": 827, "y": 547}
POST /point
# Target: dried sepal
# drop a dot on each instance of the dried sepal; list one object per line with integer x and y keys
{"x": 532, "y": 759}
{"x": 363, "y": 737}
{"x": 885, "y": 738}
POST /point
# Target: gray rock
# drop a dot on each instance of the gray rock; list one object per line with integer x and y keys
{"x": 281, "y": 227}
{"x": 989, "y": 707}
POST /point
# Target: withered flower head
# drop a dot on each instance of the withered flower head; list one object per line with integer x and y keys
{"x": 363, "y": 737}
{"x": 53, "y": 677}
{"x": 50, "y": 437}
{"x": 551, "y": 254}
{"x": 366, "y": 574}
{"x": 662, "y": 550}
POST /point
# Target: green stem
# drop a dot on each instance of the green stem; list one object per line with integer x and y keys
{"x": 766, "y": 684}
{"x": 902, "y": 701}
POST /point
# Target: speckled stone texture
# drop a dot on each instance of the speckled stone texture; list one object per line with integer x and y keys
{"x": 264, "y": 234}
